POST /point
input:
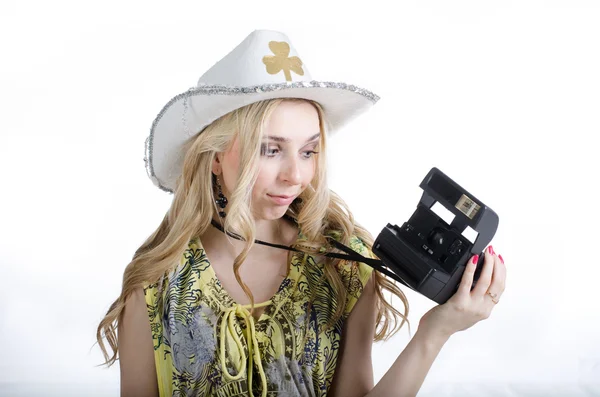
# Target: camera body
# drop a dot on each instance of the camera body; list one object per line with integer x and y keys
{"x": 429, "y": 255}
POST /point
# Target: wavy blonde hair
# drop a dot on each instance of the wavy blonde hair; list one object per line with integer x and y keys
{"x": 193, "y": 206}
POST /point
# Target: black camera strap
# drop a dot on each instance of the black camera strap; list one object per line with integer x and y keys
{"x": 352, "y": 255}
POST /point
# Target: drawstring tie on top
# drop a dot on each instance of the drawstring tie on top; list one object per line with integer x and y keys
{"x": 227, "y": 324}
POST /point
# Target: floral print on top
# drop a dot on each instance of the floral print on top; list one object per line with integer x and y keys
{"x": 205, "y": 344}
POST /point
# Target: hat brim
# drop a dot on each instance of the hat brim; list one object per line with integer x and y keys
{"x": 188, "y": 113}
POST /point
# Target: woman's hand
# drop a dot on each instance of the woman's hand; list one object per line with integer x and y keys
{"x": 467, "y": 307}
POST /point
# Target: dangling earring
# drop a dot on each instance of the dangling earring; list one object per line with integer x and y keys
{"x": 222, "y": 200}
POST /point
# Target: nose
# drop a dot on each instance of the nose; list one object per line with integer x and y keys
{"x": 292, "y": 171}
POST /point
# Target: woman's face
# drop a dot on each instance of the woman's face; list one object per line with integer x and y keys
{"x": 287, "y": 161}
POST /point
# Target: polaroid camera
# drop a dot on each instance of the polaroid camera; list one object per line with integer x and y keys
{"x": 429, "y": 255}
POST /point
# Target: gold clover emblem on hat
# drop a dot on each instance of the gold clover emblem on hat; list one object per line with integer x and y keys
{"x": 282, "y": 60}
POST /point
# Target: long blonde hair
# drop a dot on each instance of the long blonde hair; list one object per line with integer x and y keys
{"x": 193, "y": 207}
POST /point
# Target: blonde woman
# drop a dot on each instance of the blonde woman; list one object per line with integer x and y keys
{"x": 208, "y": 309}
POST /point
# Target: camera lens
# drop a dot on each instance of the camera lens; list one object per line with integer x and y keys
{"x": 436, "y": 237}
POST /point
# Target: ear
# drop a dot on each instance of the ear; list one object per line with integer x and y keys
{"x": 216, "y": 164}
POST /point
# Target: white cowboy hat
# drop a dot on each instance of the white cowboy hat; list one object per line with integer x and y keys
{"x": 263, "y": 66}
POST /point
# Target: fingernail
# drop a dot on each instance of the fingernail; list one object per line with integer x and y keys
{"x": 475, "y": 259}
{"x": 491, "y": 250}
{"x": 500, "y": 256}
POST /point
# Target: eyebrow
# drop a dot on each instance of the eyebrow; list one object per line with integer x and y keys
{"x": 282, "y": 139}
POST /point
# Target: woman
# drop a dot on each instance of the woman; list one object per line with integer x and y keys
{"x": 206, "y": 311}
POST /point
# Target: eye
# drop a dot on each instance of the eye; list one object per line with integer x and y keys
{"x": 309, "y": 153}
{"x": 269, "y": 152}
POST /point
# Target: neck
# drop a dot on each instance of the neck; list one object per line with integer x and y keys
{"x": 279, "y": 231}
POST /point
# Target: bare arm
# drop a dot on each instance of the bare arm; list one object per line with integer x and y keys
{"x": 464, "y": 309}
{"x": 405, "y": 377}
{"x": 354, "y": 371}
{"x": 354, "y": 374}
{"x": 136, "y": 352}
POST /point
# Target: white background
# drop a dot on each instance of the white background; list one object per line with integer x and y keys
{"x": 504, "y": 97}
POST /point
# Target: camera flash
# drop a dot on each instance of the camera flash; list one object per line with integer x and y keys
{"x": 467, "y": 206}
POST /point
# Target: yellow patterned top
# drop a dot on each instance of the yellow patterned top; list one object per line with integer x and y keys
{"x": 207, "y": 345}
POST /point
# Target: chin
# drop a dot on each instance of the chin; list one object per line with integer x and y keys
{"x": 273, "y": 214}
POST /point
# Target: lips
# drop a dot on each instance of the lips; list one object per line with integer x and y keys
{"x": 282, "y": 200}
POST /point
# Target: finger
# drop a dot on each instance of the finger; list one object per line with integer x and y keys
{"x": 485, "y": 278}
{"x": 498, "y": 283}
{"x": 467, "y": 278}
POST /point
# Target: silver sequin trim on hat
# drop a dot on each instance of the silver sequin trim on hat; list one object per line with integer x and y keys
{"x": 205, "y": 89}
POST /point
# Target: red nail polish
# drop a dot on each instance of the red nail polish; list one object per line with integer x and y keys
{"x": 475, "y": 259}
{"x": 491, "y": 250}
{"x": 500, "y": 256}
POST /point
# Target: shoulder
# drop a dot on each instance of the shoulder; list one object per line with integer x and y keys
{"x": 193, "y": 256}
{"x": 354, "y": 275}
{"x": 356, "y": 244}
{"x": 136, "y": 350}
{"x": 176, "y": 280}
